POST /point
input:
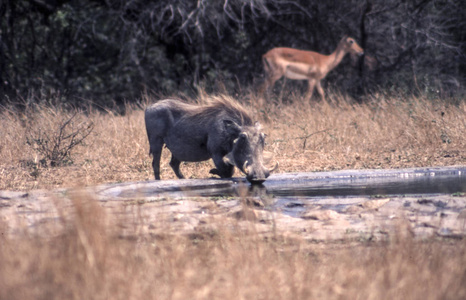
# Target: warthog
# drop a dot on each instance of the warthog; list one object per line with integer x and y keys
{"x": 221, "y": 130}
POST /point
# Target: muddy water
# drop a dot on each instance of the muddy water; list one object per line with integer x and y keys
{"x": 291, "y": 193}
{"x": 344, "y": 184}
{"x": 370, "y": 183}
{"x": 338, "y": 193}
{"x": 317, "y": 206}
{"x": 327, "y": 205}
{"x": 294, "y": 193}
{"x": 307, "y": 186}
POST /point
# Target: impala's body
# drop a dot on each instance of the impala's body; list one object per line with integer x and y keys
{"x": 305, "y": 65}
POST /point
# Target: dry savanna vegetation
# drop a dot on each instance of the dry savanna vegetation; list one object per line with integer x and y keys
{"x": 90, "y": 259}
{"x": 87, "y": 256}
{"x": 324, "y": 135}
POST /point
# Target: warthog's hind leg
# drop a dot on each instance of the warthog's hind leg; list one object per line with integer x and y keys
{"x": 156, "y": 151}
{"x": 175, "y": 164}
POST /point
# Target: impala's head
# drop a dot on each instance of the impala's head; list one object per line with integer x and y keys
{"x": 350, "y": 45}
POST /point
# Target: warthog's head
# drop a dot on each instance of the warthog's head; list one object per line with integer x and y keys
{"x": 247, "y": 152}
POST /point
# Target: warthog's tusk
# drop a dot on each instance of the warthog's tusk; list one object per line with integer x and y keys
{"x": 245, "y": 168}
{"x": 274, "y": 168}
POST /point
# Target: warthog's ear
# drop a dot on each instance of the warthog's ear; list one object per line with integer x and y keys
{"x": 231, "y": 127}
{"x": 229, "y": 159}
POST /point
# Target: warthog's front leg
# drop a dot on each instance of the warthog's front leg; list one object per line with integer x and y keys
{"x": 175, "y": 164}
{"x": 224, "y": 170}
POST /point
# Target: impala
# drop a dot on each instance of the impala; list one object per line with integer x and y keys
{"x": 305, "y": 65}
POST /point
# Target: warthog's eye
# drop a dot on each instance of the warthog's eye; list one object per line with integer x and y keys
{"x": 243, "y": 135}
{"x": 350, "y": 42}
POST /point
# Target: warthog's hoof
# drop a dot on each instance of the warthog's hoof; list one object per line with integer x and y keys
{"x": 214, "y": 172}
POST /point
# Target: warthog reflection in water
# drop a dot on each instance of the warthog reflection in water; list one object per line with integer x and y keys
{"x": 221, "y": 130}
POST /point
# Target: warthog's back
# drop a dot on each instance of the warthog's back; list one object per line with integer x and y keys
{"x": 196, "y": 114}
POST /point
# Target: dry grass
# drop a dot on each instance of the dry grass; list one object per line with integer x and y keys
{"x": 386, "y": 133}
{"x": 89, "y": 254}
{"x": 87, "y": 257}
{"x": 333, "y": 135}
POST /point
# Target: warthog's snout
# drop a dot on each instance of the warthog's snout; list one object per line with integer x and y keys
{"x": 257, "y": 175}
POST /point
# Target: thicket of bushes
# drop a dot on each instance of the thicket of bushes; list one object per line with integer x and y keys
{"x": 113, "y": 50}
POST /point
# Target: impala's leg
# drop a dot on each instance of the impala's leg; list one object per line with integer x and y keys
{"x": 272, "y": 74}
{"x": 268, "y": 77}
{"x": 271, "y": 79}
{"x": 320, "y": 90}
{"x": 310, "y": 91}
{"x": 267, "y": 85}
{"x": 283, "y": 88}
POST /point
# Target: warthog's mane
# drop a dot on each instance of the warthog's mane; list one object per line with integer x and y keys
{"x": 226, "y": 106}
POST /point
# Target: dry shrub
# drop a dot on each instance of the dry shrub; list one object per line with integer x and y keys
{"x": 316, "y": 136}
{"x": 54, "y": 135}
{"x": 97, "y": 256}
{"x": 116, "y": 150}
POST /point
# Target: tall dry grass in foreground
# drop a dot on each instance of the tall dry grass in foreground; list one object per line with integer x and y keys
{"x": 88, "y": 257}
{"x": 322, "y": 135}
